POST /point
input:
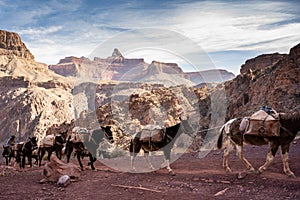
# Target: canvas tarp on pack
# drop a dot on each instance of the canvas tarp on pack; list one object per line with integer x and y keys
{"x": 48, "y": 141}
{"x": 262, "y": 124}
{"x": 78, "y": 135}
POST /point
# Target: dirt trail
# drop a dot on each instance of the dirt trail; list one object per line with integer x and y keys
{"x": 195, "y": 179}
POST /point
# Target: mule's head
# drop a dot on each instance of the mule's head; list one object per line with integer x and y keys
{"x": 33, "y": 141}
{"x": 59, "y": 140}
{"x": 290, "y": 121}
{"x": 108, "y": 133}
{"x": 6, "y": 150}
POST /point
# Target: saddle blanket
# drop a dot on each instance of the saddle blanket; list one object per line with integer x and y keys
{"x": 151, "y": 133}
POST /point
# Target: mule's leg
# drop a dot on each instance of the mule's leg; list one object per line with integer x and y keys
{"x": 167, "y": 155}
{"x": 58, "y": 154}
{"x": 7, "y": 160}
{"x": 22, "y": 164}
{"x": 270, "y": 157}
{"x": 78, "y": 154}
{"x": 239, "y": 150}
{"x": 69, "y": 150}
{"x": 226, "y": 155}
{"x": 92, "y": 160}
{"x": 30, "y": 160}
{"x": 146, "y": 156}
{"x": 135, "y": 147}
{"x": 132, "y": 158}
{"x": 285, "y": 160}
{"x": 49, "y": 154}
{"x": 41, "y": 153}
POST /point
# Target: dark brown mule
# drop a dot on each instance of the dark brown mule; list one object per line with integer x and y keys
{"x": 57, "y": 147}
{"x": 25, "y": 149}
{"x": 8, "y": 153}
{"x": 234, "y": 138}
{"x": 88, "y": 147}
{"x": 170, "y": 134}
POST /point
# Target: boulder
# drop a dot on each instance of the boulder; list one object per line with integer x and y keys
{"x": 56, "y": 168}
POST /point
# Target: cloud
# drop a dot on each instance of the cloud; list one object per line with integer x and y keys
{"x": 40, "y": 30}
{"x": 240, "y": 25}
{"x": 55, "y": 29}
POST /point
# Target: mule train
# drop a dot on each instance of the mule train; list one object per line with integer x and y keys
{"x": 20, "y": 151}
{"x": 232, "y": 135}
{"x": 61, "y": 144}
{"x": 281, "y": 131}
{"x": 77, "y": 141}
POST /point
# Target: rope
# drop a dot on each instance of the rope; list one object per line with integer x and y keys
{"x": 209, "y": 129}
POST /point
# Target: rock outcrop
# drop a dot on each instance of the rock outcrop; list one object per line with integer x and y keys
{"x": 276, "y": 85}
{"x": 11, "y": 43}
{"x": 32, "y": 97}
{"x": 261, "y": 62}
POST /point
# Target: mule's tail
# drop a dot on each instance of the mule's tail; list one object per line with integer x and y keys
{"x": 131, "y": 146}
{"x": 220, "y": 139}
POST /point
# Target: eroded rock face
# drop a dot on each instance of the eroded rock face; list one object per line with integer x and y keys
{"x": 275, "y": 85}
{"x": 128, "y": 107}
{"x": 32, "y": 98}
{"x": 261, "y": 62}
{"x": 28, "y": 110}
{"x": 11, "y": 43}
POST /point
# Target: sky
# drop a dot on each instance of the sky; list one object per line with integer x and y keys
{"x": 226, "y": 33}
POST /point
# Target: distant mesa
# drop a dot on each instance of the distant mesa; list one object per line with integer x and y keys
{"x": 210, "y": 76}
{"x": 116, "y": 67}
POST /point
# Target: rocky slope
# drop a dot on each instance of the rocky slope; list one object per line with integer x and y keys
{"x": 10, "y": 43}
{"x": 261, "y": 62}
{"x": 32, "y": 97}
{"x": 274, "y": 82}
{"x": 128, "y": 107}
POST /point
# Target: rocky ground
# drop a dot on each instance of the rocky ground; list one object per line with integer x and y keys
{"x": 195, "y": 179}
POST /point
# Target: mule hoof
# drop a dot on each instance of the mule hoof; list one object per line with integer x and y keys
{"x": 152, "y": 168}
{"x": 228, "y": 170}
{"x": 133, "y": 169}
{"x": 292, "y": 175}
{"x": 172, "y": 173}
{"x": 258, "y": 172}
{"x": 252, "y": 170}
